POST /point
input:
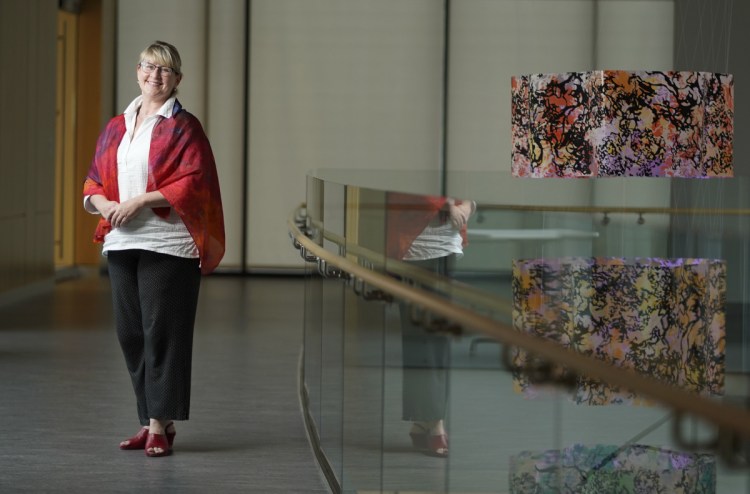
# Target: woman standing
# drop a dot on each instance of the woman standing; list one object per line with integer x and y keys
{"x": 153, "y": 180}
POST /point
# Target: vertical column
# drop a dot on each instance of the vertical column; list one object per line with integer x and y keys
{"x": 225, "y": 114}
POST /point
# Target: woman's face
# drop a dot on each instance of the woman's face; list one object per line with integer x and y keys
{"x": 156, "y": 83}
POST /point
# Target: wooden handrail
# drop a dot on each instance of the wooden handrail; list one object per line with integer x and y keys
{"x": 616, "y": 209}
{"x": 460, "y": 290}
{"x": 731, "y": 421}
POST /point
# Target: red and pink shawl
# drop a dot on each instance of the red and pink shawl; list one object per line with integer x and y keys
{"x": 181, "y": 166}
{"x": 407, "y": 215}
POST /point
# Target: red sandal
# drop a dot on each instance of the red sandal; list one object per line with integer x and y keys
{"x": 136, "y": 442}
{"x": 159, "y": 441}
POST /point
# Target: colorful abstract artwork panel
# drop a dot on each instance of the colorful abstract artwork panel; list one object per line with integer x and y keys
{"x": 633, "y": 469}
{"x": 660, "y": 317}
{"x": 622, "y": 123}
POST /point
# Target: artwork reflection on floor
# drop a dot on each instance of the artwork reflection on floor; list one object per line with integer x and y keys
{"x": 661, "y": 317}
{"x": 636, "y": 469}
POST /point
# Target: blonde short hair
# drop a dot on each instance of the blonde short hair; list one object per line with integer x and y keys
{"x": 162, "y": 53}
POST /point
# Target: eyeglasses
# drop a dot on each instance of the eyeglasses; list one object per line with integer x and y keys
{"x": 149, "y": 67}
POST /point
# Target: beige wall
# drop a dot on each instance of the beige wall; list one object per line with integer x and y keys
{"x": 358, "y": 85}
{"x": 210, "y": 36}
{"x": 353, "y": 84}
{"x": 348, "y": 84}
{"x": 27, "y": 143}
{"x": 493, "y": 40}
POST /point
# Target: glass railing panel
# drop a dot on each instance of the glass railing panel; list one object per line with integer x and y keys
{"x": 721, "y": 229}
{"x": 313, "y": 331}
{"x": 427, "y": 182}
{"x": 363, "y": 395}
{"x": 620, "y": 446}
{"x": 313, "y": 340}
{"x": 489, "y": 424}
{"x": 363, "y": 347}
{"x": 497, "y": 424}
{"x": 713, "y": 233}
{"x": 417, "y": 381}
{"x": 631, "y": 218}
{"x": 333, "y": 293}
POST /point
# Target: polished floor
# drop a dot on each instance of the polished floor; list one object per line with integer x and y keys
{"x": 66, "y": 400}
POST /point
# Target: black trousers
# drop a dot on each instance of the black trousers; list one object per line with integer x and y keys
{"x": 155, "y": 297}
{"x": 425, "y": 363}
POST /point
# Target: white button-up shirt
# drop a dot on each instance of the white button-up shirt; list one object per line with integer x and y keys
{"x": 146, "y": 231}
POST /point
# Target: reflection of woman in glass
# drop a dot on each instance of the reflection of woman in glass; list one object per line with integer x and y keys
{"x": 423, "y": 231}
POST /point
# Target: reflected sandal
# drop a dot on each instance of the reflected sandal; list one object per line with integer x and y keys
{"x": 437, "y": 446}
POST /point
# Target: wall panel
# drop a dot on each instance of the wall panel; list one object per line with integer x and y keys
{"x": 351, "y": 84}
{"x": 635, "y": 34}
{"x": 225, "y": 114}
{"x": 27, "y": 141}
{"x": 492, "y": 40}
{"x": 182, "y": 23}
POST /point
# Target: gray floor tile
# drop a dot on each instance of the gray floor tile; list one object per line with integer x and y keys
{"x": 66, "y": 397}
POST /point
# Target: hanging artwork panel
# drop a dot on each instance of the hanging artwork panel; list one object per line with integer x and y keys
{"x": 608, "y": 123}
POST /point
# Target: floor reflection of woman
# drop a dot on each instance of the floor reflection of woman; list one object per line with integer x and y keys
{"x": 424, "y": 231}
